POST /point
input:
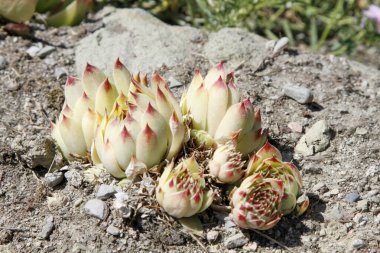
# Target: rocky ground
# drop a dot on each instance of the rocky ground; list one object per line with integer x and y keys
{"x": 332, "y": 137}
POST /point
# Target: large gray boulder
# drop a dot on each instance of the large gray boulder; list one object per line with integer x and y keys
{"x": 144, "y": 43}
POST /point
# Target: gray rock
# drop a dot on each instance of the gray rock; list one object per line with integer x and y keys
{"x": 45, "y": 51}
{"x": 333, "y": 192}
{"x": 336, "y": 213}
{"x": 372, "y": 170}
{"x": 112, "y": 230}
{"x": 35, "y": 151}
{"x": 212, "y": 236}
{"x": 361, "y": 131}
{"x": 60, "y": 72}
{"x": 53, "y": 179}
{"x": 362, "y": 205}
{"x": 236, "y": 241}
{"x": 358, "y": 244}
{"x": 318, "y": 186}
{"x": 74, "y": 178}
{"x": 33, "y": 50}
{"x": 173, "y": 45}
{"x": 47, "y": 228}
{"x": 3, "y": 62}
{"x": 105, "y": 191}
{"x": 372, "y": 193}
{"x": 96, "y": 208}
{"x": 352, "y": 197}
{"x": 316, "y": 139}
{"x": 300, "y": 94}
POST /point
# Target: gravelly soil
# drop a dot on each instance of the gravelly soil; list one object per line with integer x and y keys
{"x": 31, "y": 95}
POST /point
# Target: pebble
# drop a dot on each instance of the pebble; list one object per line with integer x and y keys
{"x": 33, "y": 50}
{"x": 316, "y": 139}
{"x": 105, "y": 191}
{"x": 333, "y": 192}
{"x": 74, "y": 178}
{"x": 250, "y": 247}
{"x": 53, "y": 179}
{"x": 96, "y": 208}
{"x": 318, "y": 186}
{"x": 3, "y": 62}
{"x": 47, "y": 228}
{"x": 358, "y": 243}
{"x": 45, "y": 51}
{"x": 336, "y": 213}
{"x": 236, "y": 241}
{"x": 212, "y": 236}
{"x": 60, "y": 72}
{"x": 352, "y": 197}
{"x": 377, "y": 219}
{"x": 300, "y": 94}
{"x": 112, "y": 230}
{"x": 361, "y": 131}
{"x": 362, "y": 205}
{"x": 77, "y": 202}
{"x": 372, "y": 193}
{"x": 359, "y": 218}
{"x": 280, "y": 45}
{"x": 372, "y": 171}
{"x": 296, "y": 127}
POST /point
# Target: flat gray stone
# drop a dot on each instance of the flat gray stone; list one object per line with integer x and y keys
{"x": 45, "y": 51}
{"x": 300, "y": 94}
{"x": 3, "y": 62}
{"x": 352, "y": 197}
{"x": 358, "y": 243}
{"x": 74, "y": 177}
{"x": 236, "y": 241}
{"x": 47, "y": 228}
{"x": 105, "y": 191}
{"x": 316, "y": 139}
{"x": 53, "y": 179}
{"x": 212, "y": 236}
{"x": 112, "y": 230}
{"x": 33, "y": 51}
{"x": 96, "y": 208}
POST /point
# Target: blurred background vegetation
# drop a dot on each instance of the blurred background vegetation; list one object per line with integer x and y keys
{"x": 329, "y": 26}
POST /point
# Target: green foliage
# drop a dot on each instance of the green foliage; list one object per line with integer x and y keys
{"x": 333, "y": 25}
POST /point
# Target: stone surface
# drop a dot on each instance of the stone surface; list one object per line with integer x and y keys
{"x": 105, "y": 191}
{"x": 45, "y": 51}
{"x": 74, "y": 178}
{"x": 363, "y": 205}
{"x": 212, "y": 236}
{"x": 3, "y": 62}
{"x": 53, "y": 179}
{"x": 352, "y": 197}
{"x": 300, "y": 94}
{"x": 96, "y": 208}
{"x": 125, "y": 36}
{"x": 112, "y": 230}
{"x": 358, "y": 243}
{"x": 47, "y": 228}
{"x": 236, "y": 241}
{"x": 316, "y": 139}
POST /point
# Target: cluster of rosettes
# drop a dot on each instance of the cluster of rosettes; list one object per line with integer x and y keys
{"x": 126, "y": 122}
{"x": 269, "y": 190}
{"x": 119, "y": 119}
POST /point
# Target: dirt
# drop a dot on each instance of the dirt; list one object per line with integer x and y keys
{"x": 32, "y": 95}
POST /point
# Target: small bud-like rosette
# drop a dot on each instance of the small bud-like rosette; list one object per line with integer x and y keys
{"x": 119, "y": 119}
{"x": 268, "y": 162}
{"x": 181, "y": 190}
{"x": 214, "y": 106}
{"x": 226, "y": 165}
{"x": 256, "y": 204}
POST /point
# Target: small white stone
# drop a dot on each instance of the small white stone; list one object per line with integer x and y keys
{"x": 300, "y": 94}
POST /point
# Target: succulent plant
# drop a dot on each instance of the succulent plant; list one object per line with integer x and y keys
{"x": 268, "y": 162}
{"x": 119, "y": 119}
{"x": 256, "y": 203}
{"x": 226, "y": 165}
{"x": 213, "y": 106}
{"x": 86, "y": 101}
{"x": 145, "y": 123}
{"x": 63, "y": 12}
{"x": 181, "y": 190}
